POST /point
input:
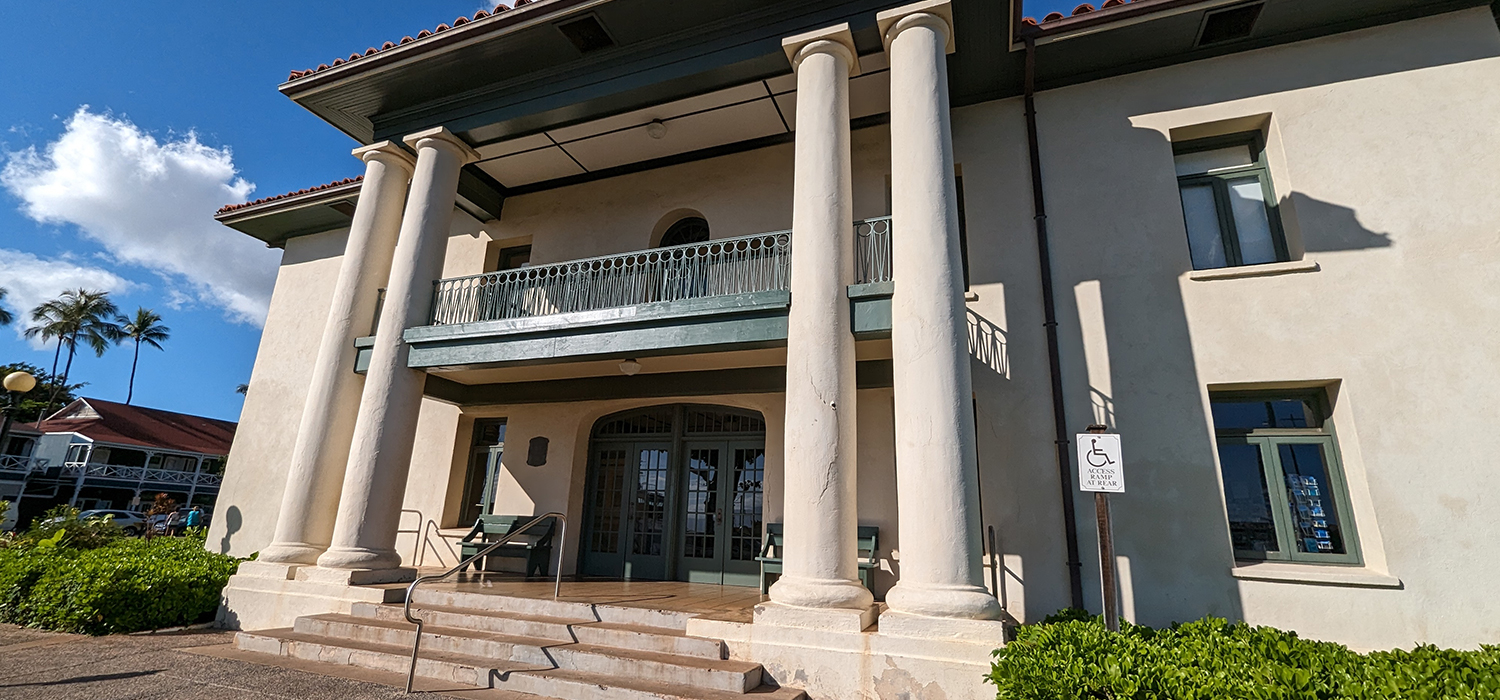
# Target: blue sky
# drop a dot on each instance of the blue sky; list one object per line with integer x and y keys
{"x": 126, "y": 124}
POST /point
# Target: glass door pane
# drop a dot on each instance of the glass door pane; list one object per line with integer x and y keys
{"x": 650, "y": 496}
{"x": 603, "y": 555}
{"x": 703, "y": 514}
{"x": 744, "y": 493}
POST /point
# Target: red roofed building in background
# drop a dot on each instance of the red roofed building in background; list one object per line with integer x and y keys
{"x": 96, "y": 454}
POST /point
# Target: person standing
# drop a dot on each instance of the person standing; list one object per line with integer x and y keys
{"x": 194, "y": 518}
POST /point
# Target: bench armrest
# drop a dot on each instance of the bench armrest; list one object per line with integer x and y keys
{"x": 478, "y": 528}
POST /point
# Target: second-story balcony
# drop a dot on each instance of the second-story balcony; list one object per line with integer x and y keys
{"x": 723, "y": 294}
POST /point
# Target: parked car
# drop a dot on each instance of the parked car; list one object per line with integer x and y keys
{"x": 129, "y": 521}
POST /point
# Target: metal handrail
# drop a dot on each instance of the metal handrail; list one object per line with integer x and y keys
{"x": 427, "y": 531}
{"x": 418, "y": 531}
{"x": 556, "y": 584}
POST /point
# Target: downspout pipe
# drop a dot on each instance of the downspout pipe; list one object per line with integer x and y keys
{"x": 1054, "y": 359}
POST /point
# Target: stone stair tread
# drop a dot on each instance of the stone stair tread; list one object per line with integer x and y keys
{"x": 546, "y": 619}
{"x": 669, "y": 690}
{"x": 673, "y": 690}
{"x": 729, "y": 665}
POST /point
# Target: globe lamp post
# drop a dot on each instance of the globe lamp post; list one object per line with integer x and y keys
{"x": 16, "y": 385}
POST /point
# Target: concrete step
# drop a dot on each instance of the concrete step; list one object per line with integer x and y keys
{"x": 736, "y": 676}
{"x": 625, "y": 636}
{"x": 546, "y": 682}
{"x": 547, "y": 607}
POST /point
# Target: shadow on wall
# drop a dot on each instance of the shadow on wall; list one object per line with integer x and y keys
{"x": 987, "y": 344}
{"x": 233, "y": 520}
{"x": 1129, "y": 363}
{"x": 1328, "y": 227}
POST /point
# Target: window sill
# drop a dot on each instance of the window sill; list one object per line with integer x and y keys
{"x": 1330, "y": 575}
{"x": 1263, "y": 270}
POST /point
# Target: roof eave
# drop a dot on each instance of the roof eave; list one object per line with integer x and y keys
{"x": 285, "y": 204}
{"x": 485, "y": 29}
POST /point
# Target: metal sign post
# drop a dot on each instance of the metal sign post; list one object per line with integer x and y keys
{"x": 1101, "y": 471}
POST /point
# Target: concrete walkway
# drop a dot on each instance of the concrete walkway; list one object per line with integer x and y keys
{"x": 191, "y": 664}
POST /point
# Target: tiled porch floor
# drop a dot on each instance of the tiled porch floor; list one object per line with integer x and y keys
{"x": 718, "y": 602}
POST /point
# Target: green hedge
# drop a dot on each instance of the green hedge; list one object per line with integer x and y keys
{"x": 124, "y": 585}
{"x": 1068, "y": 658}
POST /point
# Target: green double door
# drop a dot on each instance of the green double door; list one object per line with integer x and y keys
{"x": 675, "y": 509}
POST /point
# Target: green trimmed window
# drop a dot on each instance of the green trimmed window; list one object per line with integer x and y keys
{"x": 1284, "y": 486}
{"x": 1228, "y": 202}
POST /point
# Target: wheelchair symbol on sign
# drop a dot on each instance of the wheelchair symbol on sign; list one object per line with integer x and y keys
{"x": 1097, "y": 457}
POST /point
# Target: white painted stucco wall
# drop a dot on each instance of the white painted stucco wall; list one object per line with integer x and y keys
{"x": 1382, "y": 152}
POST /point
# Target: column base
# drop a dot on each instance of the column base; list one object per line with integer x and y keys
{"x": 988, "y": 633}
{"x": 827, "y": 619}
{"x": 359, "y": 558}
{"x": 291, "y": 553}
{"x": 833, "y": 664}
{"x": 266, "y": 595}
{"x": 958, "y": 602}
{"x": 821, "y": 593}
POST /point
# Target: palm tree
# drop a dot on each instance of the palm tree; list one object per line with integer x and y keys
{"x": 6, "y": 317}
{"x": 144, "y": 327}
{"x": 75, "y": 315}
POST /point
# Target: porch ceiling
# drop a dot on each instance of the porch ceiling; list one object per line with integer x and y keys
{"x": 516, "y": 82}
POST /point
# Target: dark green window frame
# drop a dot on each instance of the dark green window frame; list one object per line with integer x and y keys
{"x": 1219, "y": 180}
{"x": 1270, "y": 441}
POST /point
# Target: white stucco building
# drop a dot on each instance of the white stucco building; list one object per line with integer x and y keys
{"x": 682, "y": 272}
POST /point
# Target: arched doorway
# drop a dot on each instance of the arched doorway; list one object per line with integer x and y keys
{"x": 675, "y": 493}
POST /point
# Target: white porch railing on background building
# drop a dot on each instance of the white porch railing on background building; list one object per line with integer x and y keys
{"x": 20, "y": 465}
{"x": 158, "y": 476}
{"x": 756, "y": 263}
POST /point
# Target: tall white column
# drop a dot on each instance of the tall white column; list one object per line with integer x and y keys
{"x": 305, "y": 525}
{"x": 820, "y": 512}
{"x": 936, "y": 469}
{"x": 364, "y": 536}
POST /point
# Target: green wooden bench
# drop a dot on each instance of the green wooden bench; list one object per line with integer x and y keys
{"x": 770, "y": 552}
{"x": 535, "y": 546}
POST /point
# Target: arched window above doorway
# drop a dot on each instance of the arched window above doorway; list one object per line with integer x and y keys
{"x": 692, "y": 229}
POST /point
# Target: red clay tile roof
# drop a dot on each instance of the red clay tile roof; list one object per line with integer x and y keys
{"x": 308, "y": 190}
{"x": 1083, "y": 9}
{"x": 461, "y": 21}
{"x": 143, "y": 427}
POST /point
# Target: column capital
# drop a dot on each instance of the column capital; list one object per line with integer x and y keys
{"x": 935, "y": 13}
{"x": 441, "y": 135}
{"x": 388, "y": 152}
{"x": 837, "y": 40}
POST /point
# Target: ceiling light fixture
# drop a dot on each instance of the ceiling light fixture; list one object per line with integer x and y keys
{"x": 630, "y": 367}
{"x": 656, "y": 129}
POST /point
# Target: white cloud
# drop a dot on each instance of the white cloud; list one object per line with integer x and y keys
{"x": 30, "y": 280}
{"x": 149, "y": 203}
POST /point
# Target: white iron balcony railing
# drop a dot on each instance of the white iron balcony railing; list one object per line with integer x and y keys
{"x": 756, "y": 263}
{"x": 872, "y": 250}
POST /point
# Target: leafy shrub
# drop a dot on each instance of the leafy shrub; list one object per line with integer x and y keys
{"x": 1068, "y": 658}
{"x": 125, "y": 585}
{"x": 62, "y": 528}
